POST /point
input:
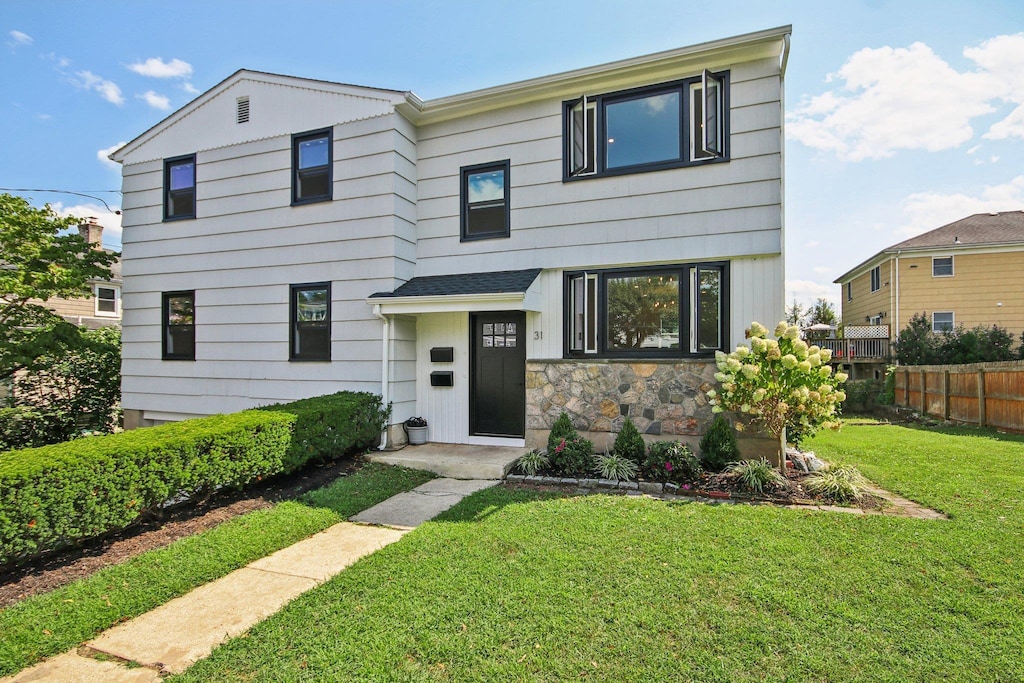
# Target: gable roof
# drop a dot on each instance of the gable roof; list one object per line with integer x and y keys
{"x": 501, "y": 282}
{"x": 979, "y": 230}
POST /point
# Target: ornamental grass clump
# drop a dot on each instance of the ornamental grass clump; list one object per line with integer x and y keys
{"x": 779, "y": 383}
{"x": 531, "y": 463}
{"x": 615, "y": 467}
{"x": 756, "y": 476}
{"x": 842, "y": 483}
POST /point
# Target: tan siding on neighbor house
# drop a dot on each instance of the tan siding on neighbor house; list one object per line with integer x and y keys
{"x": 980, "y": 282}
{"x": 866, "y": 303}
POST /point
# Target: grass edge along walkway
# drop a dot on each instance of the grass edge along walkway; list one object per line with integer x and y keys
{"x": 54, "y": 622}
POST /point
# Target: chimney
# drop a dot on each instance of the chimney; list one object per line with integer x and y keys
{"x": 92, "y": 232}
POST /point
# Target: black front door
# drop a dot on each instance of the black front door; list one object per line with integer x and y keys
{"x": 497, "y": 398}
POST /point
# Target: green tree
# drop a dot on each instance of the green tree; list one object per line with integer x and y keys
{"x": 795, "y": 314}
{"x": 916, "y": 343}
{"x": 38, "y": 263}
{"x": 822, "y": 312}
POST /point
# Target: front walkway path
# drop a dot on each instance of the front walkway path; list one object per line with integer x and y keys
{"x": 179, "y": 633}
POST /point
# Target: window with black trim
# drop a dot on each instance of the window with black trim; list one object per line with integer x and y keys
{"x": 942, "y": 266}
{"x": 180, "y": 188}
{"x": 179, "y": 325}
{"x": 849, "y": 291}
{"x": 310, "y": 337}
{"x": 678, "y": 310}
{"x": 311, "y": 167}
{"x": 667, "y": 125}
{"x": 485, "y": 201}
{"x": 876, "y": 278}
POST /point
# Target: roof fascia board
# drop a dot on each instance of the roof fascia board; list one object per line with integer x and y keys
{"x": 455, "y": 303}
{"x": 948, "y": 249}
{"x": 624, "y": 73}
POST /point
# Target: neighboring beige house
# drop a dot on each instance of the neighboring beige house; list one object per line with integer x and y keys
{"x": 966, "y": 273}
{"x": 102, "y": 308}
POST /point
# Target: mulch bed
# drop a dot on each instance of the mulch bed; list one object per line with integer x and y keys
{"x": 186, "y": 519}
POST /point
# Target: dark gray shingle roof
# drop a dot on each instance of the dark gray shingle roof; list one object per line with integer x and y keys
{"x": 500, "y": 282}
{"x": 981, "y": 228}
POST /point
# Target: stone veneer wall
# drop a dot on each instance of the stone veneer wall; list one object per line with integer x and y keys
{"x": 663, "y": 398}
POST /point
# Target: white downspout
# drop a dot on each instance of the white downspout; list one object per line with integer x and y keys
{"x": 385, "y": 366}
{"x": 896, "y": 308}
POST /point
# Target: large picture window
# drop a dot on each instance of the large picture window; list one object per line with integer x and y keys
{"x": 645, "y": 129}
{"x": 179, "y": 325}
{"x": 485, "y": 208}
{"x": 310, "y": 322}
{"x": 662, "y": 311}
{"x": 180, "y": 188}
{"x": 311, "y": 167}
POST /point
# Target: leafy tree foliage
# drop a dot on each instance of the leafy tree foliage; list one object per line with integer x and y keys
{"x": 38, "y": 263}
{"x": 917, "y": 344}
{"x": 822, "y": 312}
{"x": 795, "y": 313}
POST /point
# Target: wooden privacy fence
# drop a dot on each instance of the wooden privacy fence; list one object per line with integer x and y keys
{"x": 985, "y": 394}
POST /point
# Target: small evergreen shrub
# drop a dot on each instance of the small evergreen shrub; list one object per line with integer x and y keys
{"x": 860, "y": 395}
{"x": 572, "y": 456}
{"x": 615, "y": 467}
{"x": 842, "y": 484}
{"x": 756, "y": 475}
{"x": 531, "y": 463}
{"x": 561, "y": 430}
{"x": 629, "y": 444}
{"x": 887, "y": 397}
{"x": 672, "y": 461}
{"x": 718, "y": 447}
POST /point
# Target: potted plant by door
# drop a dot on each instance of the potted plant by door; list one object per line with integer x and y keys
{"x": 416, "y": 430}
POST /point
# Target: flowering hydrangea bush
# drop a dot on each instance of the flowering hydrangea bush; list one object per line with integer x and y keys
{"x": 779, "y": 383}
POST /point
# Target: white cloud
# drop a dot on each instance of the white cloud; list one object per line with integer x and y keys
{"x": 155, "y": 67}
{"x": 813, "y": 244}
{"x": 974, "y": 149}
{"x": 155, "y": 100}
{"x": 18, "y": 39}
{"x": 929, "y": 210}
{"x": 809, "y": 290}
{"x": 108, "y": 90}
{"x": 43, "y": 117}
{"x": 104, "y": 156}
{"x": 111, "y": 222}
{"x": 822, "y": 270}
{"x": 189, "y": 88}
{"x": 910, "y": 98}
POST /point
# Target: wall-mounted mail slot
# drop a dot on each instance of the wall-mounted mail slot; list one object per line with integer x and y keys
{"x": 442, "y": 379}
{"x": 442, "y": 354}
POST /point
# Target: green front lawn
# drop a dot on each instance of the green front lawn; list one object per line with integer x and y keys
{"x": 510, "y": 585}
{"x": 58, "y": 621}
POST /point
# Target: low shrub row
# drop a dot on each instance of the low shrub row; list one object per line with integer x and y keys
{"x": 57, "y": 495}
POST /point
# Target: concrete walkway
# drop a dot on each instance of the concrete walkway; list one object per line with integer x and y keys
{"x": 179, "y": 633}
{"x": 458, "y": 461}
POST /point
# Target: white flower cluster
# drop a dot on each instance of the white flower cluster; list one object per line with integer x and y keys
{"x": 779, "y": 383}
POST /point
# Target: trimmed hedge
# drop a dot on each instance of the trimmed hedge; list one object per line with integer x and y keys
{"x": 55, "y": 496}
{"x": 329, "y": 426}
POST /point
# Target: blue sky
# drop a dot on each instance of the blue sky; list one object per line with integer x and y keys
{"x": 901, "y": 115}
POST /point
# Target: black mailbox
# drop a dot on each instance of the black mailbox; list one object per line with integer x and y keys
{"x": 442, "y": 379}
{"x": 442, "y": 354}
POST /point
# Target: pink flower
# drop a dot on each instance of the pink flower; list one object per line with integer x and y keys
{"x": 560, "y": 447}
{"x": 686, "y": 487}
{"x": 668, "y": 466}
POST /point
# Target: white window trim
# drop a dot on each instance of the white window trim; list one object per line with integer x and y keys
{"x": 583, "y": 324}
{"x": 952, "y": 318}
{"x": 952, "y": 265}
{"x": 96, "y": 301}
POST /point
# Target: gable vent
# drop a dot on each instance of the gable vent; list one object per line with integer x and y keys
{"x": 242, "y": 110}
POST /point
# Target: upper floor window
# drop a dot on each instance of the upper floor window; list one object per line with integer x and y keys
{"x": 942, "y": 266}
{"x": 942, "y": 322}
{"x": 107, "y": 301}
{"x": 645, "y": 129}
{"x": 849, "y": 291}
{"x": 311, "y": 167}
{"x": 659, "y": 311}
{"x": 180, "y": 187}
{"x": 876, "y": 278}
{"x": 310, "y": 322}
{"x": 484, "y": 195}
{"x": 179, "y": 325}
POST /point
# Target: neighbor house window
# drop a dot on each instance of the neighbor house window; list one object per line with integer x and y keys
{"x": 310, "y": 322}
{"x": 485, "y": 206}
{"x": 876, "y": 278}
{"x": 942, "y": 266}
{"x": 650, "y": 128}
{"x": 107, "y": 300}
{"x": 849, "y": 291}
{"x": 661, "y": 311}
{"x": 311, "y": 167}
{"x": 179, "y": 325}
{"x": 942, "y": 322}
{"x": 180, "y": 188}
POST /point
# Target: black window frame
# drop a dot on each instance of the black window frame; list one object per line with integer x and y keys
{"x": 849, "y": 290}
{"x": 165, "y": 325}
{"x": 293, "y": 322}
{"x": 686, "y": 312}
{"x": 169, "y": 194}
{"x": 684, "y": 87}
{"x": 505, "y": 166}
{"x": 298, "y": 139}
{"x": 876, "y": 278}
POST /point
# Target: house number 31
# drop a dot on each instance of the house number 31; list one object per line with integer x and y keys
{"x": 537, "y": 334}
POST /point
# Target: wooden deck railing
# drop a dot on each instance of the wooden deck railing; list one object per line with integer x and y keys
{"x": 853, "y": 350}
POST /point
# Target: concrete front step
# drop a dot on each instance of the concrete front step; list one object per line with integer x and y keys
{"x": 456, "y": 461}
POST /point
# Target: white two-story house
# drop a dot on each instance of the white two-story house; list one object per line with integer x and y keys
{"x": 583, "y": 241}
